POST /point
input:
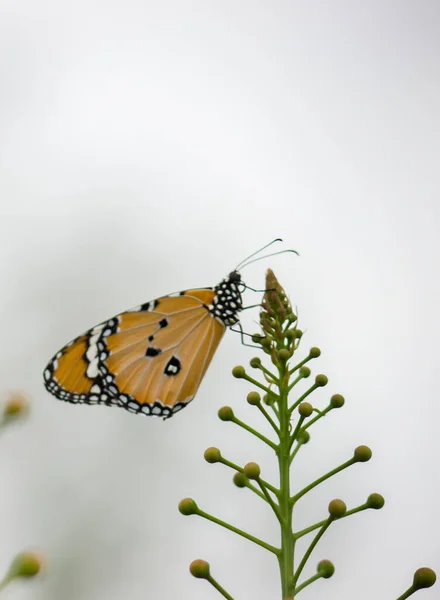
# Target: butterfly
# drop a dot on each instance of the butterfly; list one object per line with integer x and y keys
{"x": 150, "y": 359}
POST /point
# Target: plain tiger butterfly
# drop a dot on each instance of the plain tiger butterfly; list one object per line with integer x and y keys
{"x": 150, "y": 359}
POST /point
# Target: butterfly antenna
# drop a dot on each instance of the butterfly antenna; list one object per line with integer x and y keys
{"x": 257, "y": 252}
{"x": 267, "y": 256}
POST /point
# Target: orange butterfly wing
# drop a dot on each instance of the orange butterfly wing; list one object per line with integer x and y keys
{"x": 150, "y": 359}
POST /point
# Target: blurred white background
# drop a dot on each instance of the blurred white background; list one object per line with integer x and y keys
{"x": 147, "y": 147}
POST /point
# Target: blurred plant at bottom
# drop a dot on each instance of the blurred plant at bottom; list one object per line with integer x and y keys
{"x": 290, "y": 421}
{"x": 26, "y": 564}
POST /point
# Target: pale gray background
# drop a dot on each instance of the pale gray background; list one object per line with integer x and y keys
{"x": 147, "y": 147}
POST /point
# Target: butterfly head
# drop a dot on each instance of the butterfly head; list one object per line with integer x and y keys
{"x": 227, "y": 303}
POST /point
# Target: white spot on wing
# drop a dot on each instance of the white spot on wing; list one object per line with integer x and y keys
{"x": 92, "y": 369}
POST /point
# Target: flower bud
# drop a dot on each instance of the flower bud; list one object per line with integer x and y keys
{"x": 321, "y": 380}
{"x": 240, "y": 480}
{"x": 212, "y": 455}
{"x": 325, "y": 568}
{"x": 255, "y": 362}
{"x": 304, "y": 372}
{"x": 226, "y": 413}
{"x": 290, "y": 334}
{"x": 283, "y": 354}
{"x": 238, "y": 372}
{"x": 362, "y": 454}
{"x": 25, "y": 564}
{"x": 254, "y": 398}
{"x": 314, "y": 352}
{"x": 251, "y": 470}
{"x": 424, "y": 578}
{"x": 187, "y": 506}
{"x": 337, "y": 508}
{"x": 305, "y": 409}
{"x": 266, "y": 342}
{"x": 17, "y": 405}
{"x": 303, "y": 436}
{"x": 375, "y": 501}
{"x": 199, "y": 568}
{"x": 336, "y": 401}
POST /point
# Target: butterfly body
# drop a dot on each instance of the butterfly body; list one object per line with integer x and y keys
{"x": 150, "y": 359}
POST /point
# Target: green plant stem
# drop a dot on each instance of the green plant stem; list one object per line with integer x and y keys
{"x": 244, "y": 534}
{"x": 254, "y": 489}
{"x": 268, "y": 418}
{"x": 275, "y": 410}
{"x": 274, "y": 506}
{"x": 299, "y": 365}
{"x": 273, "y": 378}
{"x": 307, "y": 582}
{"x": 303, "y": 397}
{"x": 257, "y": 434}
{"x": 292, "y": 456}
{"x": 409, "y": 592}
{"x": 310, "y": 549}
{"x": 321, "y": 414}
{"x": 4, "y": 582}
{"x": 219, "y": 588}
{"x": 323, "y": 478}
{"x": 295, "y": 381}
{"x": 307, "y": 530}
{"x": 294, "y": 435}
{"x": 258, "y": 384}
{"x": 285, "y": 558}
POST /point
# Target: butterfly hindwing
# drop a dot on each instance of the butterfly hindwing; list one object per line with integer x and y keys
{"x": 150, "y": 359}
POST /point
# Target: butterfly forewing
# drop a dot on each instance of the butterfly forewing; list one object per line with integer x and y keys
{"x": 150, "y": 359}
{"x": 70, "y": 367}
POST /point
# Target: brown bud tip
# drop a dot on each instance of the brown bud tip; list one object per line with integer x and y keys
{"x": 336, "y": 401}
{"x": 17, "y": 405}
{"x": 212, "y": 455}
{"x": 240, "y": 480}
{"x": 238, "y": 372}
{"x": 199, "y": 568}
{"x": 337, "y": 508}
{"x": 283, "y": 354}
{"x": 321, "y": 380}
{"x": 226, "y": 413}
{"x": 303, "y": 436}
{"x": 187, "y": 506}
{"x": 252, "y": 470}
{"x": 314, "y": 352}
{"x": 304, "y": 372}
{"x": 305, "y": 409}
{"x": 362, "y": 454}
{"x": 375, "y": 501}
{"x": 424, "y": 578}
{"x": 254, "y": 398}
{"x": 255, "y": 362}
{"x": 325, "y": 568}
{"x": 26, "y": 564}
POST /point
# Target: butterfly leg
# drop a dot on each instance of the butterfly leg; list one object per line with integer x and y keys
{"x": 243, "y": 333}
